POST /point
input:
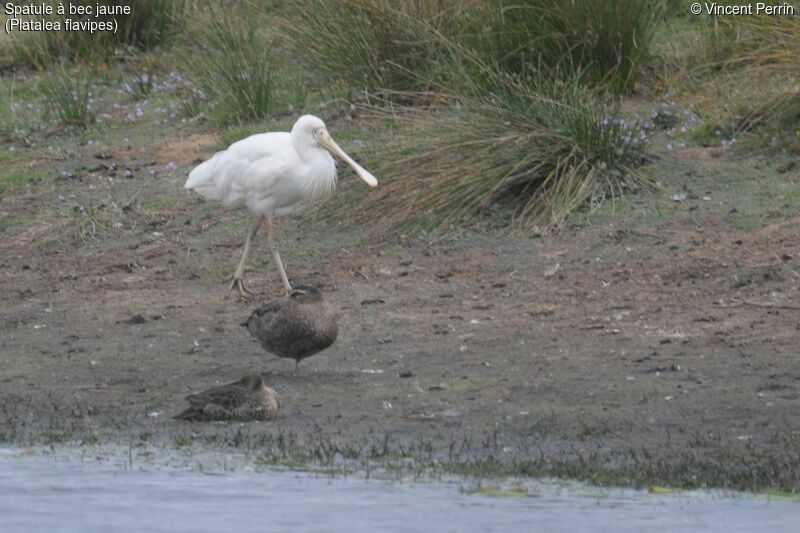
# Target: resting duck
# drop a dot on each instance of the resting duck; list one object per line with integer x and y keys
{"x": 244, "y": 400}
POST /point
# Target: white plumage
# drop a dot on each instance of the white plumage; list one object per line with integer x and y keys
{"x": 271, "y": 173}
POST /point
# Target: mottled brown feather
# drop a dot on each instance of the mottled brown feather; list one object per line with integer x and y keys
{"x": 246, "y": 399}
{"x": 296, "y": 327}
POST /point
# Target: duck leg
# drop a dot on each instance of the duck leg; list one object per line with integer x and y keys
{"x": 273, "y": 248}
{"x": 238, "y": 276}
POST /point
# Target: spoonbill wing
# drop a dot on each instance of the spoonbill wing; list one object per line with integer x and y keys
{"x": 252, "y": 170}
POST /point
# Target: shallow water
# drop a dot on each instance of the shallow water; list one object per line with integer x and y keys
{"x": 61, "y": 493}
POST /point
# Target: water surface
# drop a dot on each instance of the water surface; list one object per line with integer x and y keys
{"x": 40, "y": 492}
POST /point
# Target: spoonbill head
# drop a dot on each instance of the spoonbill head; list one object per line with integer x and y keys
{"x": 311, "y": 132}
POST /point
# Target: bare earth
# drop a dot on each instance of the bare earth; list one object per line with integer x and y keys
{"x": 665, "y": 353}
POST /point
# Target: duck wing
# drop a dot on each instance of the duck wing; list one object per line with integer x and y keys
{"x": 258, "y": 323}
{"x": 228, "y": 396}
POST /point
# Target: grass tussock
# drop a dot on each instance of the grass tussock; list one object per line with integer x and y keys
{"x": 234, "y": 69}
{"x": 375, "y": 45}
{"x": 604, "y": 43}
{"x": 372, "y": 45}
{"x": 542, "y": 148}
{"x": 524, "y": 124}
{"x": 69, "y": 94}
{"x": 747, "y": 78}
{"x": 151, "y": 23}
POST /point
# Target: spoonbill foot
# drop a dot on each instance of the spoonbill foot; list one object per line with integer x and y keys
{"x": 238, "y": 284}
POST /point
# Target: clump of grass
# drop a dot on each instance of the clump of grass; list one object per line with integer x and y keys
{"x": 20, "y": 113}
{"x": 86, "y": 221}
{"x": 540, "y": 147}
{"x": 371, "y": 44}
{"x": 766, "y": 49}
{"x": 150, "y": 23}
{"x": 17, "y": 180}
{"x": 748, "y": 469}
{"x": 753, "y": 77}
{"x": 142, "y": 75}
{"x": 234, "y": 70}
{"x": 139, "y": 85}
{"x": 605, "y": 43}
{"x": 377, "y": 45}
{"x": 69, "y": 91}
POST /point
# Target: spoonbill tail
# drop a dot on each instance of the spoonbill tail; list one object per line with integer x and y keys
{"x": 271, "y": 173}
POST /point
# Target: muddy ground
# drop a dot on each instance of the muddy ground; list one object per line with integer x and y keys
{"x": 654, "y": 346}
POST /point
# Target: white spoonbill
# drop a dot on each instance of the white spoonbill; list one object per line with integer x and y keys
{"x": 271, "y": 173}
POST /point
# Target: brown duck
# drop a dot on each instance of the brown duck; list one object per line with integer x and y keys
{"x": 295, "y": 327}
{"x": 244, "y": 400}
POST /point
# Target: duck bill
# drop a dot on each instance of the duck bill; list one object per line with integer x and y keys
{"x": 327, "y": 141}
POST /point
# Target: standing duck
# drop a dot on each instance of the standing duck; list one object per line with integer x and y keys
{"x": 296, "y": 327}
{"x": 244, "y": 400}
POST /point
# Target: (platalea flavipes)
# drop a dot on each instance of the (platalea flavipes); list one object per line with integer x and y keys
{"x": 271, "y": 173}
